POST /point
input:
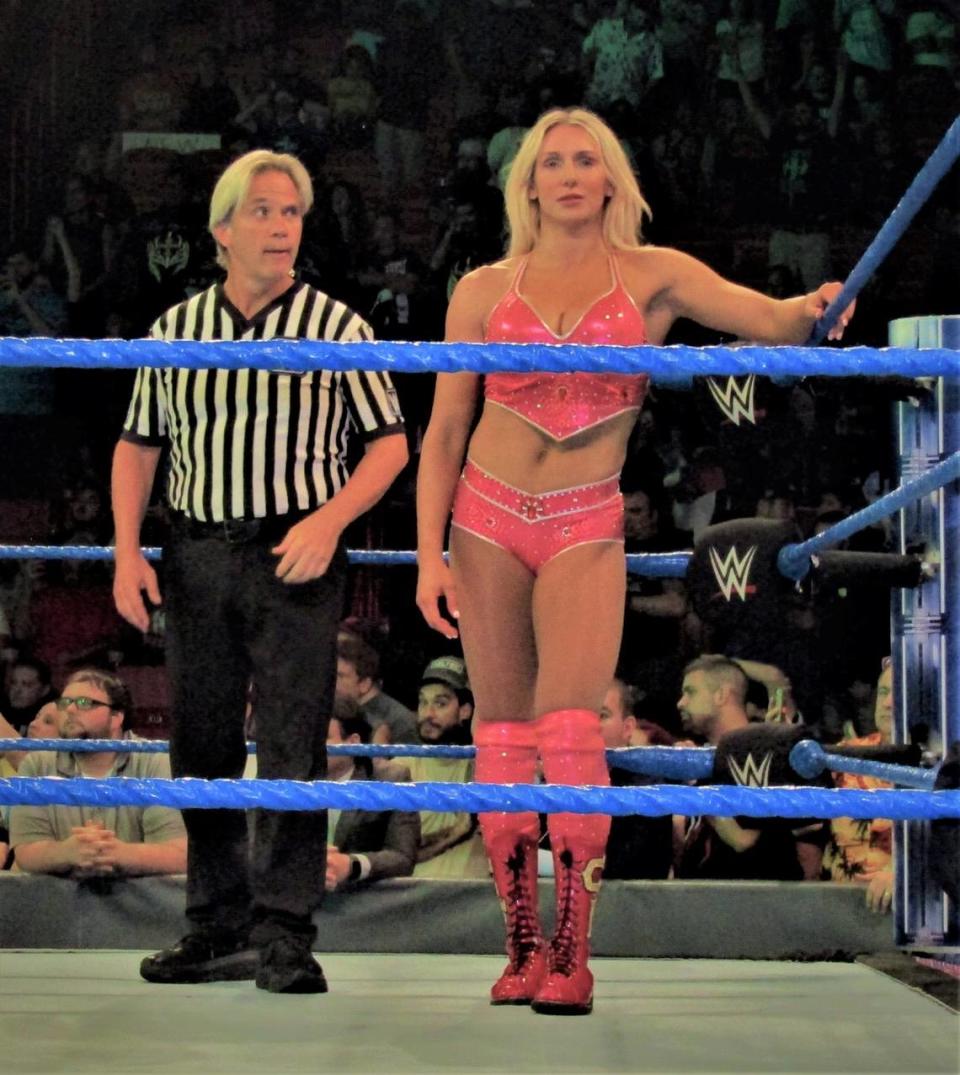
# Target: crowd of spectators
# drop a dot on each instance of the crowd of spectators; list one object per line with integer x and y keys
{"x": 771, "y": 138}
{"x": 96, "y": 845}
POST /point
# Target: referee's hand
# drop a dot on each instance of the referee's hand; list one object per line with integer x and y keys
{"x": 306, "y": 551}
{"x": 133, "y": 577}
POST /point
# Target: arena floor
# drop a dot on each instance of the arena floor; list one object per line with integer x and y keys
{"x": 72, "y": 1011}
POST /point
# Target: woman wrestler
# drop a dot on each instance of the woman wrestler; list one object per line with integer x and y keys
{"x": 536, "y": 578}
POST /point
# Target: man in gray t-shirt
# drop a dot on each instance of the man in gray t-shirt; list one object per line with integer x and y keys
{"x": 358, "y": 671}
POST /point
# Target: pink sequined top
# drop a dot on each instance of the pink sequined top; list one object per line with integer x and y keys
{"x": 564, "y": 404}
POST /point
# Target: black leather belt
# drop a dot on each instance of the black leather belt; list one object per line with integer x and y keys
{"x": 236, "y": 531}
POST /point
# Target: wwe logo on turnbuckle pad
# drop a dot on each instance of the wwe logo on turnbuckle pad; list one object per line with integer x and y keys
{"x": 751, "y": 774}
{"x": 732, "y": 572}
{"x": 736, "y": 400}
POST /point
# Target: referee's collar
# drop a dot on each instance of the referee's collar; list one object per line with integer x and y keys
{"x": 247, "y": 322}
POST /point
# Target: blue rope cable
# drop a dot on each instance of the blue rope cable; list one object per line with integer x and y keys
{"x": 652, "y": 565}
{"x": 938, "y": 164}
{"x": 809, "y": 759}
{"x": 653, "y": 801}
{"x": 794, "y": 560}
{"x": 671, "y": 763}
{"x": 675, "y": 364}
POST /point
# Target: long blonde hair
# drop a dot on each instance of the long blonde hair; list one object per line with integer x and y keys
{"x": 233, "y": 184}
{"x": 625, "y": 209}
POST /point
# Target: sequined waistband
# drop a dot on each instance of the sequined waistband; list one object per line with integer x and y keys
{"x": 535, "y": 506}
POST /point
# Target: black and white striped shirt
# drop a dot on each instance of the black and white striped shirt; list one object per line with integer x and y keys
{"x": 254, "y": 443}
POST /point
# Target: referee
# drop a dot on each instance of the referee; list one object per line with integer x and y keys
{"x": 254, "y": 570}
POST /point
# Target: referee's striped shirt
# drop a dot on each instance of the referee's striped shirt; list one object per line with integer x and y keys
{"x": 255, "y": 443}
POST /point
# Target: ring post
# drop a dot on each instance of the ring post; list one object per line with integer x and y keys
{"x": 926, "y": 625}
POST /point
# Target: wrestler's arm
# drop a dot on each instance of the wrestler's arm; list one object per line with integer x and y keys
{"x": 442, "y": 453}
{"x": 688, "y": 288}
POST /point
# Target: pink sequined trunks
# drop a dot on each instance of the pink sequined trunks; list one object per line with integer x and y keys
{"x": 536, "y": 527}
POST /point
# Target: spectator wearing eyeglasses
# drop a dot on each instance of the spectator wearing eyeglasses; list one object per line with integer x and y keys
{"x": 86, "y": 842}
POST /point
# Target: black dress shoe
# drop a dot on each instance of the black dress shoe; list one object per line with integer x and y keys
{"x": 287, "y": 966}
{"x": 203, "y": 957}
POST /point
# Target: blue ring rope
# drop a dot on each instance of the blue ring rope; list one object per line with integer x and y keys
{"x": 793, "y": 561}
{"x": 674, "y": 364}
{"x": 672, "y": 763}
{"x": 936, "y": 167}
{"x": 807, "y": 757}
{"x": 653, "y": 801}
{"x": 652, "y": 565}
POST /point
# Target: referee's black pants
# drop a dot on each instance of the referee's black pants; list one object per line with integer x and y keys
{"x": 230, "y": 620}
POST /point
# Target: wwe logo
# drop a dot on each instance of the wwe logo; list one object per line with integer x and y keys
{"x": 735, "y": 400}
{"x": 750, "y": 774}
{"x": 733, "y": 573}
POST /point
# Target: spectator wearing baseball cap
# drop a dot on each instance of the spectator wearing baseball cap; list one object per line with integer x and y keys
{"x": 450, "y": 844}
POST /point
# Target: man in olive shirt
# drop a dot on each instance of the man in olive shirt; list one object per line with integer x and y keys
{"x": 97, "y": 841}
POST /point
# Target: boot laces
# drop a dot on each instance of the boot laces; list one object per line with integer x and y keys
{"x": 522, "y": 925}
{"x": 563, "y": 950}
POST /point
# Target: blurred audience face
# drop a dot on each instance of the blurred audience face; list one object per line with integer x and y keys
{"x": 385, "y": 233}
{"x": 803, "y": 409}
{"x": 85, "y": 505}
{"x": 101, "y": 721}
{"x": 340, "y": 201}
{"x": 883, "y": 710}
{"x": 780, "y": 282}
{"x": 21, "y": 269}
{"x": 349, "y": 684}
{"x": 860, "y": 89}
{"x": 803, "y": 118}
{"x": 781, "y": 507}
{"x": 86, "y": 158}
{"x": 76, "y": 196}
{"x": 208, "y": 67}
{"x": 639, "y": 518}
{"x": 616, "y": 726}
{"x": 25, "y": 687}
{"x": 818, "y": 80}
{"x": 831, "y": 502}
{"x": 439, "y": 712}
{"x": 46, "y": 724}
{"x": 697, "y": 703}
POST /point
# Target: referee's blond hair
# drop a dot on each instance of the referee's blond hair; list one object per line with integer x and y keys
{"x": 233, "y": 184}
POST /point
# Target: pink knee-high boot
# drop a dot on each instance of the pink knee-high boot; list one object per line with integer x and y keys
{"x": 507, "y": 754}
{"x": 572, "y": 752}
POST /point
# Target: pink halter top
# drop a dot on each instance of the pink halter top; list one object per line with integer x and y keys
{"x": 564, "y": 404}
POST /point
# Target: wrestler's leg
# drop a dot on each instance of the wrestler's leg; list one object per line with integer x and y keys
{"x": 578, "y": 618}
{"x": 494, "y": 591}
{"x": 578, "y": 603}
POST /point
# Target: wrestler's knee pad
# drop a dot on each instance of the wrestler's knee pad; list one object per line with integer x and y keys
{"x": 573, "y": 752}
{"x": 506, "y": 754}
